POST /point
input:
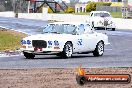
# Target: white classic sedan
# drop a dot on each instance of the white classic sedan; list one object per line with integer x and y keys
{"x": 101, "y": 19}
{"x": 64, "y": 39}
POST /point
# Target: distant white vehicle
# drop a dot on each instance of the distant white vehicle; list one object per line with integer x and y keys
{"x": 101, "y": 19}
{"x": 129, "y": 14}
{"x": 65, "y": 39}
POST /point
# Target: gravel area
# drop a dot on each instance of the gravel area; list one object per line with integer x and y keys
{"x": 56, "y": 78}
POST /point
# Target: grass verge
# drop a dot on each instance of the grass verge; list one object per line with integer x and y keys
{"x": 10, "y": 40}
{"x": 116, "y": 14}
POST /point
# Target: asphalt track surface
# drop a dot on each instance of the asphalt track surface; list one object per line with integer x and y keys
{"x": 117, "y": 54}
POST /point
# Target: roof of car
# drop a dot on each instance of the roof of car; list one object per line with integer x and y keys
{"x": 74, "y": 23}
{"x": 99, "y": 12}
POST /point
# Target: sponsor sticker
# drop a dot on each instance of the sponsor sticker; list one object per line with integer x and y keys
{"x": 56, "y": 47}
{"x": 56, "y": 43}
{"x": 79, "y": 42}
{"x": 82, "y": 77}
{"x": 49, "y": 46}
{"x": 30, "y": 47}
{"x": 24, "y": 47}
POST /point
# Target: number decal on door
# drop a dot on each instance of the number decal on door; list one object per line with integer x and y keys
{"x": 79, "y": 42}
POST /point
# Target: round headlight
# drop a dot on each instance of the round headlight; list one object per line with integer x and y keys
{"x": 23, "y": 42}
{"x": 28, "y": 42}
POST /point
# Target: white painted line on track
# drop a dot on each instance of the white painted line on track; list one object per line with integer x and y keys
{"x": 9, "y": 55}
{"x": 108, "y": 49}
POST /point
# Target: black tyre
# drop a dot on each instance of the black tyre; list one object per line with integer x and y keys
{"x": 29, "y": 55}
{"x": 68, "y": 50}
{"x": 81, "y": 80}
{"x": 99, "y": 50}
{"x": 60, "y": 54}
{"x": 113, "y": 29}
{"x": 101, "y": 28}
{"x": 92, "y": 25}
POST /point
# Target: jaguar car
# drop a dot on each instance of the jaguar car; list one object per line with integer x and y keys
{"x": 64, "y": 39}
{"x": 101, "y": 20}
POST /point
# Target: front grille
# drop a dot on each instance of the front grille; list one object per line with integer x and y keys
{"x": 105, "y": 23}
{"x": 39, "y": 43}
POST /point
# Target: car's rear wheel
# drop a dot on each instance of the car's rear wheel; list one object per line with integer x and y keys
{"x": 28, "y": 55}
{"x": 99, "y": 50}
{"x": 113, "y": 29}
{"x": 68, "y": 50}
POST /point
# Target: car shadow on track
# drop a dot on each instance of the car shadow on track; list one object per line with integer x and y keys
{"x": 57, "y": 57}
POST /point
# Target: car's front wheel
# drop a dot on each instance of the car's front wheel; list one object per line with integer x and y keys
{"x": 113, "y": 29}
{"x": 99, "y": 50}
{"x": 28, "y": 55}
{"x": 68, "y": 50}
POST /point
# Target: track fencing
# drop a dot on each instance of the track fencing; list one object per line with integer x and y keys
{"x": 108, "y": 8}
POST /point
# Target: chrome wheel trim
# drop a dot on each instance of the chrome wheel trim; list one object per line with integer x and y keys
{"x": 100, "y": 48}
{"x": 68, "y": 50}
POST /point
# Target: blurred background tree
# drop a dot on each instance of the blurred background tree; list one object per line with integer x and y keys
{"x": 70, "y": 10}
{"x": 91, "y": 6}
{"x": 13, "y": 5}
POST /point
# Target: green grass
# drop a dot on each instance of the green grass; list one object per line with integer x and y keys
{"x": 116, "y": 14}
{"x": 9, "y": 40}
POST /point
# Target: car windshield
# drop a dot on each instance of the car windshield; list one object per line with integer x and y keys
{"x": 97, "y": 14}
{"x": 106, "y": 15}
{"x": 102, "y": 14}
{"x": 60, "y": 28}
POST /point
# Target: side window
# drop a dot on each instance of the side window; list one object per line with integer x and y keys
{"x": 88, "y": 29}
{"x": 60, "y": 28}
{"x": 56, "y": 28}
{"x": 81, "y": 29}
{"x": 106, "y": 15}
{"x": 48, "y": 28}
{"x": 97, "y": 14}
{"x": 69, "y": 29}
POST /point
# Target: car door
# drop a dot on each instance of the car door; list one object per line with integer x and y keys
{"x": 89, "y": 38}
{"x": 91, "y": 41}
{"x": 78, "y": 39}
{"x": 75, "y": 37}
{"x": 84, "y": 42}
{"x": 81, "y": 39}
